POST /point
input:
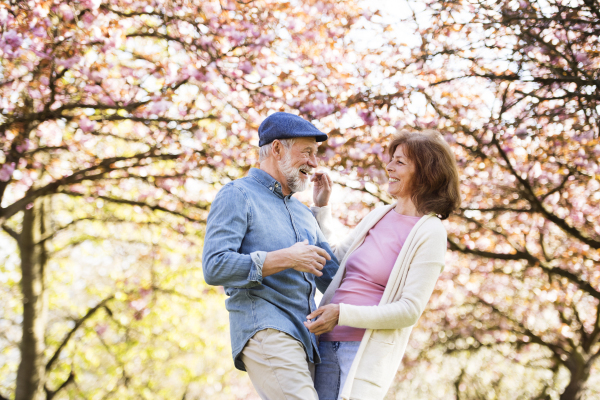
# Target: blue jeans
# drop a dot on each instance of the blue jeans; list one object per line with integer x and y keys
{"x": 331, "y": 373}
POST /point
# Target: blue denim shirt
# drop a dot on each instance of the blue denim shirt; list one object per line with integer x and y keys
{"x": 248, "y": 218}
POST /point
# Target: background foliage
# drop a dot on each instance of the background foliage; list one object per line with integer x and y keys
{"x": 120, "y": 121}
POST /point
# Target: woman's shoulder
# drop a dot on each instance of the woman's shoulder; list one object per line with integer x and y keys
{"x": 432, "y": 227}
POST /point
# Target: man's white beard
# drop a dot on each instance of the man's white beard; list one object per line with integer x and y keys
{"x": 292, "y": 175}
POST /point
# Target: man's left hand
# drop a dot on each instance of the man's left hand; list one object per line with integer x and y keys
{"x": 328, "y": 319}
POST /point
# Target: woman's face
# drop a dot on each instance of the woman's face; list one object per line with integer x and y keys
{"x": 400, "y": 171}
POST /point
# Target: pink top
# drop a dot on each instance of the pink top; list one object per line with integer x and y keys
{"x": 368, "y": 269}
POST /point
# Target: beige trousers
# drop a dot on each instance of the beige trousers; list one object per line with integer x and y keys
{"x": 278, "y": 367}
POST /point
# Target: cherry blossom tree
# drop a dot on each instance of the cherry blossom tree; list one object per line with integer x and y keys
{"x": 143, "y": 109}
{"x": 514, "y": 87}
{"x": 121, "y": 119}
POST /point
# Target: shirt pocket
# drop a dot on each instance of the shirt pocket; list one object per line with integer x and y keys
{"x": 312, "y": 240}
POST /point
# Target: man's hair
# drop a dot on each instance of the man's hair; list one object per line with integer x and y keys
{"x": 435, "y": 183}
{"x": 264, "y": 152}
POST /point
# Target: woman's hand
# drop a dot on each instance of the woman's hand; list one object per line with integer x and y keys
{"x": 328, "y": 319}
{"x": 322, "y": 189}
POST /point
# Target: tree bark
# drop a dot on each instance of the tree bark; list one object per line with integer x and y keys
{"x": 31, "y": 372}
{"x": 580, "y": 372}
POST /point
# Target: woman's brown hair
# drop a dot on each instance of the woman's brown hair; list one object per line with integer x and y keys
{"x": 435, "y": 181}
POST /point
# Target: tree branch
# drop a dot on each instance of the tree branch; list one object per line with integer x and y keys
{"x": 12, "y": 233}
{"x": 538, "y": 206}
{"x": 557, "y": 350}
{"x": 78, "y": 323}
{"x": 133, "y": 203}
{"x": 532, "y": 261}
{"x": 51, "y": 393}
{"x": 104, "y": 166}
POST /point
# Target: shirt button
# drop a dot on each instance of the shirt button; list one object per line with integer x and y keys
{"x": 270, "y": 187}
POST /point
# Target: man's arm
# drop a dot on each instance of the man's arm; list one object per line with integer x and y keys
{"x": 226, "y": 227}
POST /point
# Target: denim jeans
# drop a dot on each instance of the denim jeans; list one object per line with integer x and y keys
{"x": 331, "y": 373}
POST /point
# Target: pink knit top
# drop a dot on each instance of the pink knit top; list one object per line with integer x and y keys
{"x": 368, "y": 269}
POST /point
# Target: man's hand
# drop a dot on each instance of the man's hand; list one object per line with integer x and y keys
{"x": 321, "y": 189}
{"x": 302, "y": 257}
{"x": 328, "y": 318}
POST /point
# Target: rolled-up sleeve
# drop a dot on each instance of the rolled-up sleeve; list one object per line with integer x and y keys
{"x": 226, "y": 226}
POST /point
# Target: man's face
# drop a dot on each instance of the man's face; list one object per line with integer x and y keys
{"x": 298, "y": 163}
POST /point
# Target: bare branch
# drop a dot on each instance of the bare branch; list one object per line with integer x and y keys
{"x": 78, "y": 323}
{"x": 176, "y": 293}
{"x": 532, "y": 261}
{"x": 12, "y": 233}
{"x": 556, "y": 349}
{"x": 51, "y": 393}
{"x": 134, "y": 203}
{"x": 538, "y": 206}
{"x": 98, "y": 170}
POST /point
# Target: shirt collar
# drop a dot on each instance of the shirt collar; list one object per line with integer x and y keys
{"x": 266, "y": 180}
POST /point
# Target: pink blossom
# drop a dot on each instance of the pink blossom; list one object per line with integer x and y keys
{"x": 197, "y": 74}
{"x": 101, "y": 328}
{"x": 10, "y": 43}
{"x": 35, "y": 94}
{"x": 321, "y": 96}
{"x": 6, "y": 171}
{"x": 66, "y": 11}
{"x": 318, "y": 109}
{"x": 91, "y": 4}
{"x": 138, "y": 305}
{"x": 582, "y": 58}
{"x": 24, "y": 146}
{"x": 264, "y": 40}
{"x": 40, "y": 11}
{"x": 521, "y": 133}
{"x": 246, "y": 67}
{"x": 69, "y": 62}
{"x": 86, "y": 125}
{"x": 160, "y": 106}
{"x": 449, "y": 138}
{"x": 88, "y": 19}
{"x": 39, "y": 31}
{"x": 367, "y": 116}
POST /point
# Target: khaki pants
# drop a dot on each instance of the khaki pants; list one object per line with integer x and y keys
{"x": 278, "y": 367}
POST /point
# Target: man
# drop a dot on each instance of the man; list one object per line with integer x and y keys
{"x": 265, "y": 247}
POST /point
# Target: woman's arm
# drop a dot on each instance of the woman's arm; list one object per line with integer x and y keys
{"x": 325, "y": 221}
{"x": 323, "y": 186}
{"x": 426, "y": 266}
{"x": 420, "y": 282}
{"x": 403, "y": 313}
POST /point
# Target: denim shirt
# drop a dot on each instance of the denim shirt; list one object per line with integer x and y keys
{"x": 248, "y": 218}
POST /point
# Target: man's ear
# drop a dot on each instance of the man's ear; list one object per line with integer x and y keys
{"x": 277, "y": 149}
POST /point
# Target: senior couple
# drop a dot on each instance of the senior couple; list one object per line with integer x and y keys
{"x": 271, "y": 252}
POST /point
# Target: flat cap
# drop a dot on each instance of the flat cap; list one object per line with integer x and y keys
{"x": 283, "y": 125}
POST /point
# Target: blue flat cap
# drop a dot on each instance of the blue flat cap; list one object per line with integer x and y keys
{"x": 283, "y": 125}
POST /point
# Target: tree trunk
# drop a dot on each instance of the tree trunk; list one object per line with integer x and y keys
{"x": 31, "y": 372}
{"x": 580, "y": 372}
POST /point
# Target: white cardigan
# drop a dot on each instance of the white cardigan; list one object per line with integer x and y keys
{"x": 406, "y": 294}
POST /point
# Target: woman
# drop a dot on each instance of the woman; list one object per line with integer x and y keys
{"x": 390, "y": 264}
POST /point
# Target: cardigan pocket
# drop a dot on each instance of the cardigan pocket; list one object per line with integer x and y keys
{"x": 376, "y": 358}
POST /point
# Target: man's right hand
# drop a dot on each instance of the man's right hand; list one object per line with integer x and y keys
{"x": 302, "y": 257}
